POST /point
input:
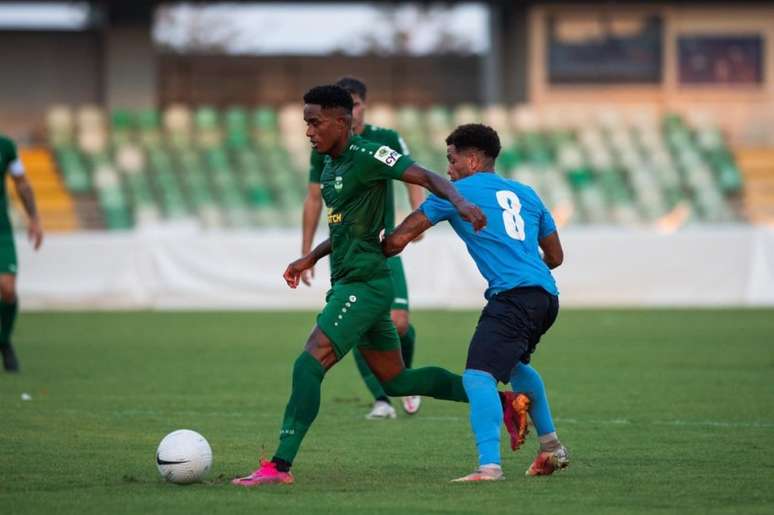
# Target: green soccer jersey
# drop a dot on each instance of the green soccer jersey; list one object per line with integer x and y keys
{"x": 9, "y": 163}
{"x": 354, "y": 188}
{"x": 378, "y": 135}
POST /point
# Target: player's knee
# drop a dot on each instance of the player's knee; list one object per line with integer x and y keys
{"x": 398, "y": 386}
{"x": 526, "y": 379}
{"x": 307, "y": 366}
{"x": 321, "y": 349}
{"x": 525, "y": 372}
{"x": 8, "y": 292}
{"x": 400, "y": 319}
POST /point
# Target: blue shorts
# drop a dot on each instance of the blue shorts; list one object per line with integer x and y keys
{"x": 509, "y": 329}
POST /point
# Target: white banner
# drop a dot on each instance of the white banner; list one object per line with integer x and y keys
{"x": 710, "y": 266}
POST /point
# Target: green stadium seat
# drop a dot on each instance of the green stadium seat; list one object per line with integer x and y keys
{"x": 74, "y": 171}
{"x": 237, "y": 128}
{"x": 240, "y": 166}
{"x": 206, "y": 118}
{"x": 265, "y": 118}
{"x": 122, "y": 120}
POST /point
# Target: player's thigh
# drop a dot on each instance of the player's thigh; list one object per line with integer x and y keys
{"x": 381, "y": 349}
{"x": 351, "y": 309}
{"x": 8, "y": 265}
{"x": 542, "y": 308}
{"x": 400, "y": 301}
{"x": 501, "y": 339}
{"x": 8, "y": 287}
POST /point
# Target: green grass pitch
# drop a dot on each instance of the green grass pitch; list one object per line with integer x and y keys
{"x": 664, "y": 411}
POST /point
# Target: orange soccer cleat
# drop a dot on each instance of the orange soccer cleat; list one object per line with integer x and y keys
{"x": 548, "y": 461}
{"x": 515, "y": 407}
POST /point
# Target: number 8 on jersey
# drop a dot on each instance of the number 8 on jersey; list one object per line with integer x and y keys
{"x": 514, "y": 223}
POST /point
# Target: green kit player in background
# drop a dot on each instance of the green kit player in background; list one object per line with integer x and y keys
{"x": 357, "y": 310}
{"x": 382, "y": 409}
{"x": 10, "y": 164}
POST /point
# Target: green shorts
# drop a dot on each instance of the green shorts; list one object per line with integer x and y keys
{"x": 358, "y": 314}
{"x": 401, "y": 300}
{"x": 7, "y": 254}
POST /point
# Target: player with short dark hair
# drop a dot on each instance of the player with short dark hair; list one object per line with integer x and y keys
{"x": 354, "y": 86}
{"x": 357, "y": 310}
{"x": 382, "y": 408}
{"x": 11, "y": 164}
{"x": 522, "y": 297}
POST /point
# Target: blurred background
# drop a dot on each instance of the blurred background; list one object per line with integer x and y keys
{"x": 166, "y": 146}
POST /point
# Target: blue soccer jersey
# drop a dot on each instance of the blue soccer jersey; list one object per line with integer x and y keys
{"x": 506, "y": 250}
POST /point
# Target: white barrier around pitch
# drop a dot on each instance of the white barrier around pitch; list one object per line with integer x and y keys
{"x": 703, "y": 266}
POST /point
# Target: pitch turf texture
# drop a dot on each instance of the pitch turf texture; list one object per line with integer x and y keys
{"x": 663, "y": 411}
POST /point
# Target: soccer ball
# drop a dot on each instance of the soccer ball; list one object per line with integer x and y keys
{"x": 183, "y": 457}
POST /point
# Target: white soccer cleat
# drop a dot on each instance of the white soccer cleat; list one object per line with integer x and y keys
{"x": 411, "y": 404}
{"x": 381, "y": 410}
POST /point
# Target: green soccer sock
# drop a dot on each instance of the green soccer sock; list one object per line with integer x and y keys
{"x": 407, "y": 345}
{"x": 303, "y": 406}
{"x": 434, "y": 382}
{"x": 7, "y": 318}
{"x": 373, "y": 384}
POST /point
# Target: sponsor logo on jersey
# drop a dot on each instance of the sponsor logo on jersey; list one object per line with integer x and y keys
{"x": 387, "y": 156}
{"x": 334, "y": 218}
{"x": 338, "y": 184}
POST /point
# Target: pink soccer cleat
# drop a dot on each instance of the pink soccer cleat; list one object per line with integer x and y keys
{"x": 482, "y": 474}
{"x": 266, "y": 474}
{"x": 411, "y": 404}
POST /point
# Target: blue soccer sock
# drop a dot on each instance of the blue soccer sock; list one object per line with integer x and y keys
{"x": 527, "y": 380}
{"x": 486, "y": 414}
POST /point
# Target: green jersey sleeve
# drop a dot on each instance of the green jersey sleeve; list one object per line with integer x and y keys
{"x": 9, "y": 158}
{"x": 386, "y": 163}
{"x": 13, "y": 154}
{"x": 316, "y": 165}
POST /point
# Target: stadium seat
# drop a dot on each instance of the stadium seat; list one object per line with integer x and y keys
{"x": 60, "y": 125}
{"x": 237, "y": 128}
{"x": 247, "y": 166}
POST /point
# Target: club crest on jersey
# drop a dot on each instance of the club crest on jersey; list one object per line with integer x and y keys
{"x": 387, "y": 155}
{"x": 338, "y": 184}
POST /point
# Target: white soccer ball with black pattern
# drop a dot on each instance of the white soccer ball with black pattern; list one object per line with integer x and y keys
{"x": 183, "y": 457}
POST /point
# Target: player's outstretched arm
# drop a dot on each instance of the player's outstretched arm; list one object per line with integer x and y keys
{"x": 416, "y": 195}
{"x": 294, "y": 270}
{"x": 444, "y": 189}
{"x": 309, "y": 222}
{"x": 34, "y": 228}
{"x": 412, "y": 227}
{"x": 553, "y": 254}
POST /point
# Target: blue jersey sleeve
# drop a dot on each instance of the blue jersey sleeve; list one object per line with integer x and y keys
{"x": 547, "y": 224}
{"x": 436, "y": 209}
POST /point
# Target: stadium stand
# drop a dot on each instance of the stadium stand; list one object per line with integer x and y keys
{"x": 242, "y": 167}
{"x": 55, "y": 204}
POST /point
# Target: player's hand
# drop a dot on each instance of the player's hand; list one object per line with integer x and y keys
{"x": 307, "y": 276}
{"x": 35, "y": 233}
{"x": 473, "y": 214}
{"x": 294, "y": 270}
